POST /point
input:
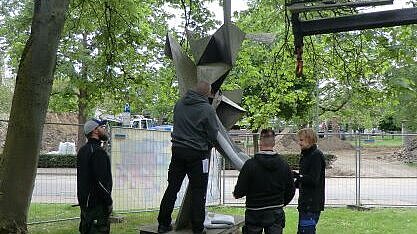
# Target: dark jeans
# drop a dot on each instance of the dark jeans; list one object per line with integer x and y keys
{"x": 94, "y": 220}
{"x": 186, "y": 162}
{"x": 307, "y": 222}
{"x": 272, "y": 221}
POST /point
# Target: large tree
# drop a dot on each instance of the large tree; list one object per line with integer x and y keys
{"x": 344, "y": 73}
{"x": 112, "y": 53}
{"x": 30, "y": 101}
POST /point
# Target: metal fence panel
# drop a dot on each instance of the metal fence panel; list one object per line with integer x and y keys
{"x": 140, "y": 160}
{"x": 366, "y": 171}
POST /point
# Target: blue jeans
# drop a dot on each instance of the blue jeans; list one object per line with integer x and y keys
{"x": 307, "y": 222}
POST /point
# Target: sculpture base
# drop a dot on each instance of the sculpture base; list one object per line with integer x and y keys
{"x": 239, "y": 222}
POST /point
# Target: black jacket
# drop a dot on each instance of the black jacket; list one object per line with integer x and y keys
{"x": 94, "y": 180}
{"x": 195, "y": 124}
{"x": 312, "y": 180}
{"x": 266, "y": 180}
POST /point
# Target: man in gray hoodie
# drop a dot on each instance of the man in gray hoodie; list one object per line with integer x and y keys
{"x": 194, "y": 133}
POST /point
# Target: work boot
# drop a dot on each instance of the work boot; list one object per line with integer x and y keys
{"x": 164, "y": 228}
{"x": 200, "y": 232}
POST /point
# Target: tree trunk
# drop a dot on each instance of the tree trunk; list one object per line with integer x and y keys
{"x": 81, "y": 117}
{"x": 2, "y": 72}
{"x": 30, "y": 102}
{"x": 82, "y": 98}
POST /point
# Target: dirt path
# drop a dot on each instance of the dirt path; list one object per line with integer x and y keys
{"x": 375, "y": 162}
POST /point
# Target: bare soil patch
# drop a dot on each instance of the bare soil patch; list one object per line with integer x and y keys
{"x": 374, "y": 162}
{"x": 288, "y": 144}
{"x": 408, "y": 154}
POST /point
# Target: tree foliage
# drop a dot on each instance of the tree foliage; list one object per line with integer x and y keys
{"x": 345, "y": 74}
{"x": 6, "y": 95}
{"x": 112, "y": 53}
{"x": 265, "y": 73}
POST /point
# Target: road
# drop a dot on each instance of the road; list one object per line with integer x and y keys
{"x": 59, "y": 186}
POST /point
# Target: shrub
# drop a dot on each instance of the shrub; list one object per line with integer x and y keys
{"x": 57, "y": 161}
{"x": 293, "y": 160}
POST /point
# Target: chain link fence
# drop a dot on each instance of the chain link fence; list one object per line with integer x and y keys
{"x": 363, "y": 169}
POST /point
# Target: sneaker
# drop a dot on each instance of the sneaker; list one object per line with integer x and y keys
{"x": 164, "y": 228}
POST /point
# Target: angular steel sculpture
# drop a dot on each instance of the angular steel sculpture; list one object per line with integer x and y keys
{"x": 213, "y": 58}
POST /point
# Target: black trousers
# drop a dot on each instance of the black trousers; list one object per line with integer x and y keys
{"x": 186, "y": 162}
{"x": 94, "y": 220}
{"x": 272, "y": 221}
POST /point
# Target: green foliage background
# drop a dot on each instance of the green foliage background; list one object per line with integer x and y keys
{"x": 112, "y": 53}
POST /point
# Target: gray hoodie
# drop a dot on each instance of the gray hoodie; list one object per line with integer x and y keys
{"x": 195, "y": 124}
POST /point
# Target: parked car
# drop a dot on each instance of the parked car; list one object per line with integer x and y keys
{"x": 142, "y": 123}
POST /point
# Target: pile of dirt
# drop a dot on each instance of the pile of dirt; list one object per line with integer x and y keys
{"x": 333, "y": 143}
{"x": 408, "y": 154}
{"x": 61, "y": 127}
{"x": 288, "y": 144}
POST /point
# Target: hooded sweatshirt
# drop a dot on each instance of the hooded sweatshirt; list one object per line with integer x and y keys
{"x": 195, "y": 124}
{"x": 266, "y": 181}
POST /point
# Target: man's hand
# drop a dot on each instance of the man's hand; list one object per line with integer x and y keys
{"x": 236, "y": 197}
{"x": 296, "y": 175}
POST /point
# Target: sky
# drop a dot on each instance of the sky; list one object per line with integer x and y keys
{"x": 240, "y": 5}
{"x": 398, "y": 4}
{"x": 237, "y": 5}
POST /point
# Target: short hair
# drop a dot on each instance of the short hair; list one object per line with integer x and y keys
{"x": 267, "y": 136}
{"x": 309, "y": 134}
{"x": 203, "y": 87}
{"x": 267, "y": 132}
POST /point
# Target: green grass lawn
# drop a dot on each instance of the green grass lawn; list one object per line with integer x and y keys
{"x": 332, "y": 220}
{"x": 379, "y": 141}
{"x": 412, "y": 164}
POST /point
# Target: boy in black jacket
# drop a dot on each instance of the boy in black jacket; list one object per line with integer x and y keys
{"x": 94, "y": 180}
{"x": 267, "y": 182}
{"x": 310, "y": 182}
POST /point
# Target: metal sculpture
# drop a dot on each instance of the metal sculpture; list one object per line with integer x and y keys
{"x": 214, "y": 57}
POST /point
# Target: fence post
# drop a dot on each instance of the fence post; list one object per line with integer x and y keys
{"x": 255, "y": 138}
{"x": 359, "y": 171}
{"x": 224, "y": 180}
{"x": 357, "y": 168}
